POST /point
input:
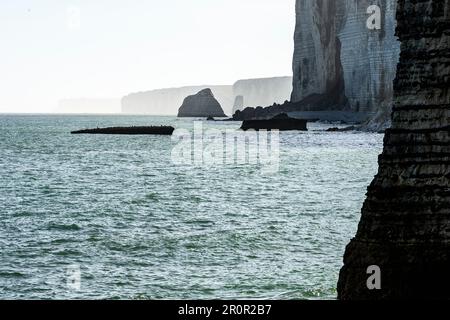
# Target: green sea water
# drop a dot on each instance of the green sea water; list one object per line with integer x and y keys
{"x": 139, "y": 226}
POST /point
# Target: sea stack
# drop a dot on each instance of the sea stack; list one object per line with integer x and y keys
{"x": 202, "y": 104}
{"x": 402, "y": 247}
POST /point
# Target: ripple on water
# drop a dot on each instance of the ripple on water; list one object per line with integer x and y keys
{"x": 140, "y": 227}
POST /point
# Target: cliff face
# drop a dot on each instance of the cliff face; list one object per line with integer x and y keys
{"x": 255, "y": 92}
{"x": 316, "y": 64}
{"x": 202, "y": 104}
{"x": 405, "y": 224}
{"x": 340, "y": 60}
{"x": 369, "y": 57}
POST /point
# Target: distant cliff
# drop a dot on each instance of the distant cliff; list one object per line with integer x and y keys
{"x": 254, "y": 92}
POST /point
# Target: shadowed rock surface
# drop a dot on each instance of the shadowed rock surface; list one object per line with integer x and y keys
{"x": 162, "y": 130}
{"x": 405, "y": 223}
{"x": 280, "y": 122}
{"x": 292, "y": 109}
{"x": 202, "y": 104}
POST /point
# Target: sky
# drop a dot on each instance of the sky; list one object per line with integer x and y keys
{"x": 58, "y": 49}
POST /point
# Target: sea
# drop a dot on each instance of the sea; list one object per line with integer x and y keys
{"x": 115, "y": 217}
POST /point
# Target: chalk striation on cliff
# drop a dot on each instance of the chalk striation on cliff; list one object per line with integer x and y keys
{"x": 405, "y": 223}
{"x": 168, "y": 101}
{"x": 317, "y": 63}
{"x": 339, "y": 58}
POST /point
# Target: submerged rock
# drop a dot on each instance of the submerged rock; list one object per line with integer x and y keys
{"x": 280, "y": 122}
{"x": 403, "y": 239}
{"x": 202, "y": 104}
{"x": 162, "y": 130}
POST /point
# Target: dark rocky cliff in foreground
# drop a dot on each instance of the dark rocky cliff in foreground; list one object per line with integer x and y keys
{"x": 405, "y": 224}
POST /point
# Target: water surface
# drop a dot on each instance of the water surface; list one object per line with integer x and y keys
{"x": 141, "y": 227}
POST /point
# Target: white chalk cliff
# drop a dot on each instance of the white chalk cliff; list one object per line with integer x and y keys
{"x": 342, "y": 63}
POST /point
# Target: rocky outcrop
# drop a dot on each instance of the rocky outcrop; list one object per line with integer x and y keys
{"x": 281, "y": 122}
{"x": 255, "y": 92}
{"x": 292, "y": 109}
{"x": 154, "y": 130}
{"x": 405, "y": 223}
{"x": 202, "y": 104}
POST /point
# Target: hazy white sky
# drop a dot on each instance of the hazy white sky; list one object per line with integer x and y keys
{"x": 56, "y": 49}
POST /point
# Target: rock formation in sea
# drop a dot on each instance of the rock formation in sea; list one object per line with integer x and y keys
{"x": 340, "y": 66}
{"x": 281, "y": 122}
{"x": 265, "y": 91}
{"x": 202, "y": 104}
{"x": 153, "y": 130}
{"x": 402, "y": 247}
